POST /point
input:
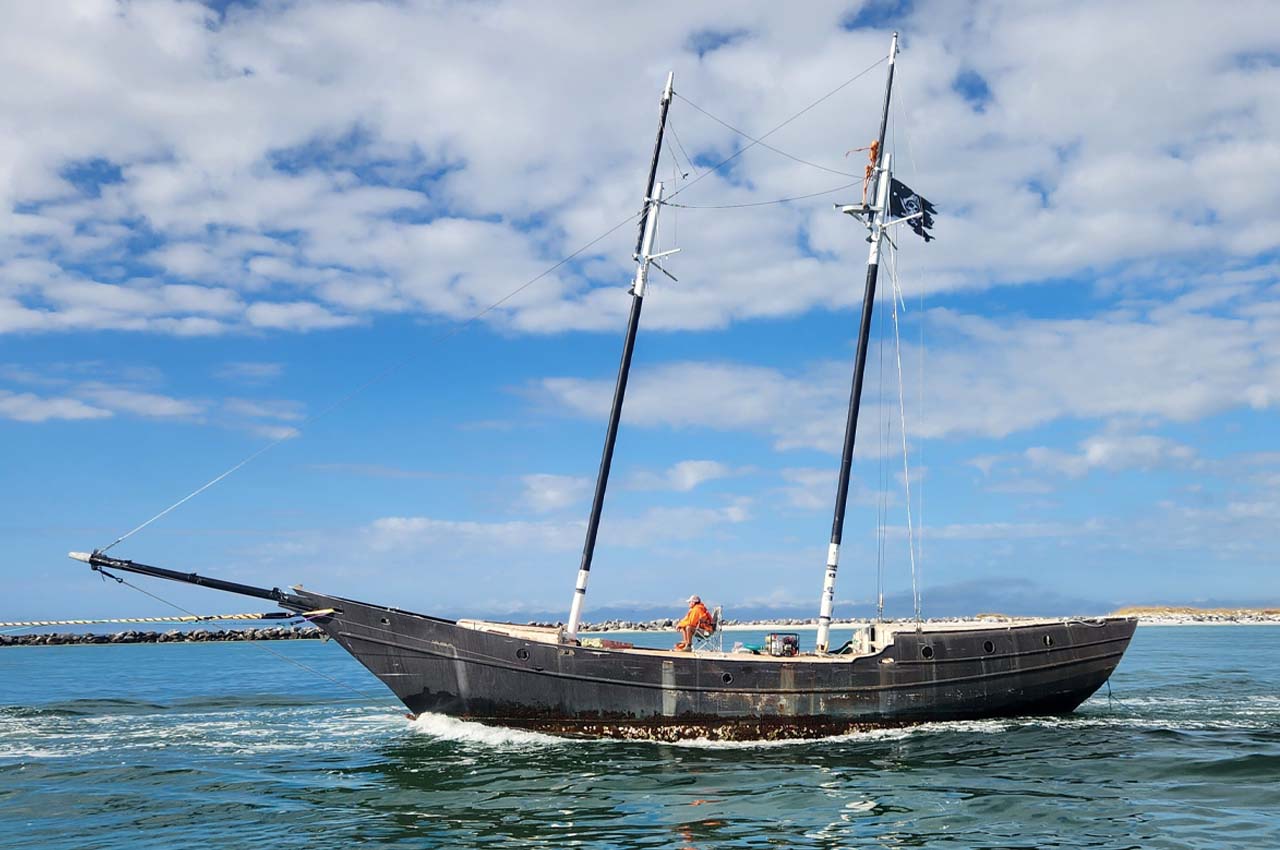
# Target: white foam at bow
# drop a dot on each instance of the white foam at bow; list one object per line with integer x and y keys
{"x": 463, "y": 731}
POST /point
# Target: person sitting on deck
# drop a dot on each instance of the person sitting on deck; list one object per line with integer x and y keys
{"x": 697, "y": 618}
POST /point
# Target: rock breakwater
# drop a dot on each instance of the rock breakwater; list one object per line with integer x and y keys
{"x": 171, "y": 636}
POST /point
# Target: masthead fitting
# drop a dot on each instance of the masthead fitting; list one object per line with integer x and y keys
{"x": 79, "y": 556}
{"x": 669, "y": 90}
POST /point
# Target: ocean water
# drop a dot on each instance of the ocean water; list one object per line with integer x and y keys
{"x": 235, "y": 746}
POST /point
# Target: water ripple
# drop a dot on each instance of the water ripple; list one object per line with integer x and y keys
{"x": 161, "y": 746}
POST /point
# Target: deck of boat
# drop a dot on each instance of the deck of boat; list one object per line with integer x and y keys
{"x": 885, "y": 633}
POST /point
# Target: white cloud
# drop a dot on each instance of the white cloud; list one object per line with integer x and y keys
{"x": 544, "y": 493}
{"x": 151, "y": 405}
{"x": 982, "y": 377}
{"x": 682, "y": 476}
{"x": 273, "y": 432}
{"x": 725, "y": 395}
{"x": 425, "y": 533}
{"x": 660, "y": 525}
{"x": 306, "y": 194}
{"x": 814, "y": 489}
{"x": 249, "y": 372}
{"x": 999, "y": 530}
{"x": 94, "y": 390}
{"x": 1113, "y": 452}
{"x": 27, "y": 407}
{"x": 283, "y": 409}
{"x": 654, "y": 526}
{"x": 295, "y": 315}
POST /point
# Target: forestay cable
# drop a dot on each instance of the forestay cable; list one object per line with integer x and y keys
{"x": 466, "y": 324}
{"x": 760, "y": 141}
{"x": 307, "y": 616}
{"x": 377, "y": 378}
{"x": 840, "y": 188}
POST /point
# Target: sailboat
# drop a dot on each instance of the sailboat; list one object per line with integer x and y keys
{"x": 550, "y": 679}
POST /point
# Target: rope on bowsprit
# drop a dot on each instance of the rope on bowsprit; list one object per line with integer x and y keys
{"x": 306, "y": 615}
{"x": 194, "y": 618}
{"x": 198, "y": 618}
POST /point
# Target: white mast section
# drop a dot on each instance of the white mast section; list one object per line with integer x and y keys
{"x": 644, "y": 258}
{"x": 877, "y": 215}
{"x": 881, "y": 215}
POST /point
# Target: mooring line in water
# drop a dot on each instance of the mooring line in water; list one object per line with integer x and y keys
{"x": 1114, "y": 699}
{"x": 308, "y": 616}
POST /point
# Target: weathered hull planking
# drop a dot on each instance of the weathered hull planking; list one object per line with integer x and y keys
{"x": 437, "y": 665}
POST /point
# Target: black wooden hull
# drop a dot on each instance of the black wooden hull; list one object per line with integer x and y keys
{"x": 436, "y": 665}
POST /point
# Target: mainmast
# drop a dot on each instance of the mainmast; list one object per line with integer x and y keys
{"x": 644, "y": 257}
{"x": 879, "y": 213}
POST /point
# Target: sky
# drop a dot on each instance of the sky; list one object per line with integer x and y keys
{"x": 312, "y": 227}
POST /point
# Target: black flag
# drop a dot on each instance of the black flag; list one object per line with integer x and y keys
{"x": 903, "y": 202}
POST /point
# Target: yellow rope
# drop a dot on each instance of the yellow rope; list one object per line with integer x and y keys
{"x": 192, "y": 619}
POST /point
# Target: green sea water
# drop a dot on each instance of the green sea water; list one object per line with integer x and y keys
{"x": 230, "y": 746}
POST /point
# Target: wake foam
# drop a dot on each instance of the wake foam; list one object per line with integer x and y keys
{"x": 894, "y": 733}
{"x": 467, "y": 732}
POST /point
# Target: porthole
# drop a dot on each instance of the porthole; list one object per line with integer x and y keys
{"x": 522, "y": 654}
{"x": 1048, "y": 640}
{"x": 727, "y": 678}
{"x": 385, "y": 621}
{"x": 926, "y": 651}
{"x": 988, "y": 647}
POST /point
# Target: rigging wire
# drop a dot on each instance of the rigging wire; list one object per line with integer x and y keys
{"x": 115, "y": 621}
{"x": 760, "y": 140}
{"x": 119, "y": 580}
{"x": 672, "y": 127}
{"x": 840, "y": 188}
{"x": 902, "y": 414}
{"x": 882, "y": 499}
{"x": 915, "y": 174}
{"x": 376, "y": 379}
{"x": 383, "y": 375}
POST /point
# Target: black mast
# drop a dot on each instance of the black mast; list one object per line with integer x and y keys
{"x": 644, "y": 243}
{"x": 880, "y": 192}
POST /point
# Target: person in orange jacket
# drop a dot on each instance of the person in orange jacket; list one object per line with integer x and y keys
{"x": 697, "y": 618}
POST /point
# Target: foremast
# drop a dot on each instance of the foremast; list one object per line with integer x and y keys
{"x": 644, "y": 257}
{"x": 878, "y": 215}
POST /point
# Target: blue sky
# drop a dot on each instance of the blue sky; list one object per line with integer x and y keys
{"x": 218, "y": 221}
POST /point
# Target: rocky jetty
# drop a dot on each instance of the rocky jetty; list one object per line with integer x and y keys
{"x": 171, "y": 636}
{"x": 1182, "y": 615}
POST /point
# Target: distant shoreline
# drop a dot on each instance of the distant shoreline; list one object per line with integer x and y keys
{"x": 784, "y": 625}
